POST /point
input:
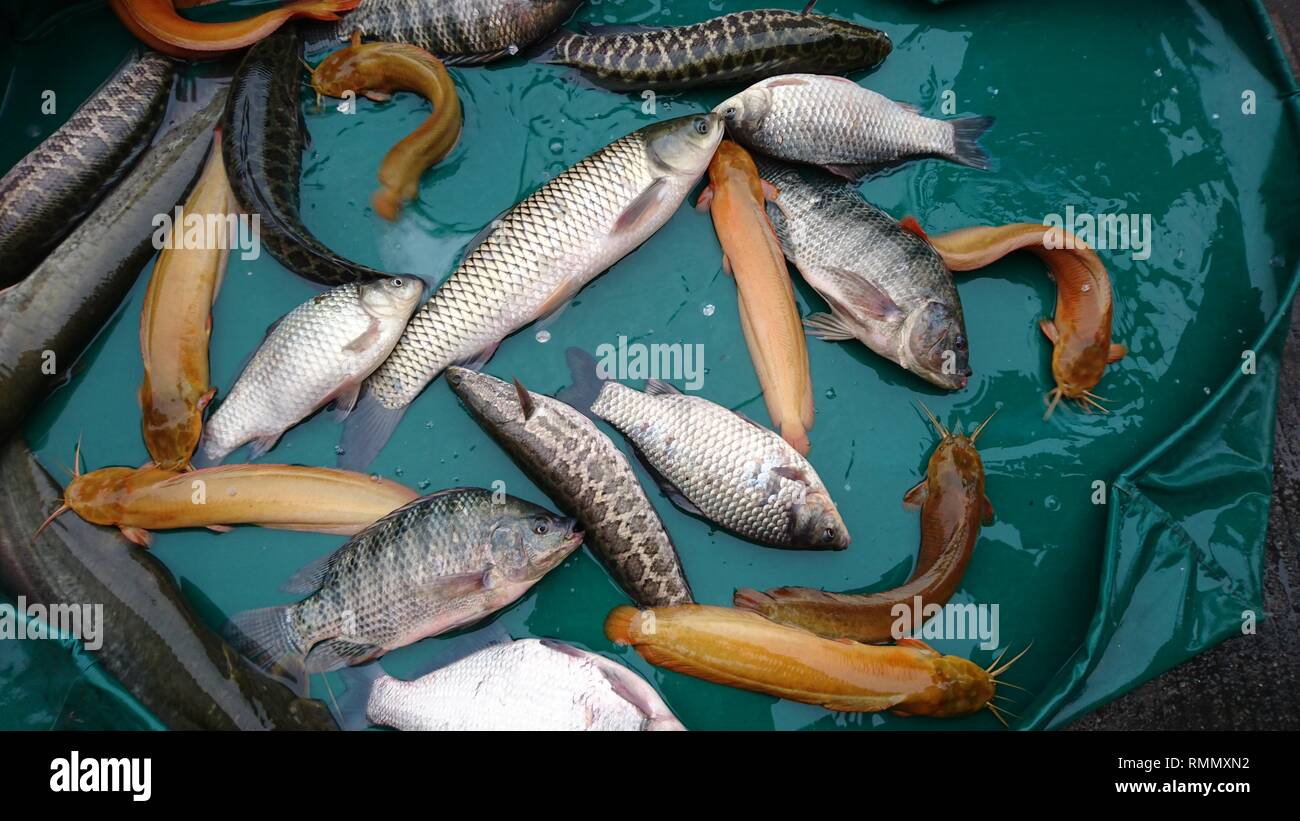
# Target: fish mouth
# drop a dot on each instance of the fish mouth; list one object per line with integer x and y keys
{"x": 574, "y": 539}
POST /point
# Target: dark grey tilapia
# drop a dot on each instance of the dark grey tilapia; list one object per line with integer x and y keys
{"x": 885, "y": 285}
{"x": 152, "y": 643}
{"x": 461, "y": 32}
{"x": 444, "y": 561}
{"x": 850, "y": 130}
{"x": 738, "y": 47}
{"x": 588, "y": 476}
{"x": 47, "y": 193}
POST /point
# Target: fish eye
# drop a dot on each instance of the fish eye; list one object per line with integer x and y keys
{"x": 540, "y": 527}
{"x": 398, "y": 282}
{"x": 702, "y": 126}
{"x": 960, "y": 341}
{"x": 828, "y": 535}
{"x": 729, "y": 111}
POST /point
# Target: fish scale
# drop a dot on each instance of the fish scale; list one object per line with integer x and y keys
{"x": 724, "y": 464}
{"x": 739, "y": 46}
{"x": 587, "y": 475}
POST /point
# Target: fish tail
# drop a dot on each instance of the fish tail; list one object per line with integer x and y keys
{"x": 350, "y": 709}
{"x": 367, "y": 429}
{"x": 966, "y": 149}
{"x": 587, "y": 383}
{"x": 267, "y": 639}
{"x": 624, "y": 625}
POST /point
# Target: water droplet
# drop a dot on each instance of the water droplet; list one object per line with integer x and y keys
{"x": 557, "y": 146}
{"x": 424, "y": 484}
{"x": 429, "y": 424}
{"x": 1052, "y": 503}
{"x": 375, "y": 477}
{"x": 1086, "y": 288}
{"x": 399, "y": 470}
{"x": 512, "y": 49}
{"x": 709, "y": 309}
{"x": 338, "y": 450}
{"x": 1159, "y": 73}
{"x": 830, "y": 393}
{"x": 543, "y": 336}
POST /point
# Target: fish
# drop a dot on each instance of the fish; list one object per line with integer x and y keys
{"x": 738, "y": 47}
{"x": 48, "y": 319}
{"x": 952, "y": 502}
{"x": 48, "y": 192}
{"x": 262, "y": 136}
{"x": 524, "y": 685}
{"x": 316, "y": 354}
{"x": 714, "y": 463}
{"x": 531, "y": 261}
{"x": 769, "y": 316}
{"x": 740, "y": 648}
{"x": 289, "y": 497}
{"x": 444, "y": 561}
{"x": 157, "y": 24}
{"x": 151, "y": 641}
{"x": 885, "y": 285}
{"x": 849, "y": 130}
{"x": 461, "y": 32}
{"x": 1080, "y": 331}
{"x": 377, "y": 70}
{"x": 585, "y": 473}
{"x": 176, "y": 322}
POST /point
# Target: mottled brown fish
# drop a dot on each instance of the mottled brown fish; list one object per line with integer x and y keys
{"x": 741, "y": 47}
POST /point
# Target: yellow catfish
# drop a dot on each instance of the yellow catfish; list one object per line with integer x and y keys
{"x": 768, "y": 314}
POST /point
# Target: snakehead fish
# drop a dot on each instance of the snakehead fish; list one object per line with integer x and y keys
{"x": 442, "y": 562}
{"x": 738, "y": 47}
{"x": 885, "y": 285}
{"x": 262, "y": 136}
{"x": 47, "y": 319}
{"x": 532, "y": 260}
{"x": 587, "y": 475}
{"x": 152, "y": 643}
{"x": 849, "y": 130}
{"x": 461, "y": 32}
{"x": 47, "y": 193}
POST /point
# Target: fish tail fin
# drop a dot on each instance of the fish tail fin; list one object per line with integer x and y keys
{"x": 793, "y": 432}
{"x": 367, "y": 429}
{"x": 324, "y": 10}
{"x": 551, "y": 48}
{"x": 350, "y": 708}
{"x": 587, "y": 383}
{"x": 267, "y": 639}
{"x": 966, "y": 149}
{"x": 624, "y": 625}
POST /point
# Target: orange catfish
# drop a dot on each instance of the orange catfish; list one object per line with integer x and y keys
{"x": 176, "y": 320}
{"x": 157, "y": 24}
{"x": 736, "y": 197}
{"x": 740, "y": 648}
{"x": 1080, "y": 331}
{"x": 377, "y": 70}
{"x": 287, "y": 497}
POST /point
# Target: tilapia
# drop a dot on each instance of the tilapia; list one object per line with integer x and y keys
{"x": 444, "y": 561}
{"x": 152, "y": 642}
{"x": 529, "y": 684}
{"x": 176, "y": 322}
{"x": 738, "y": 47}
{"x": 851, "y": 131}
{"x": 317, "y": 353}
{"x": 262, "y": 136}
{"x": 532, "y": 260}
{"x": 47, "y": 319}
{"x": 47, "y": 193}
{"x": 587, "y": 475}
{"x": 769, "y": 315}
{"x": 714, "y": 463}
{"x": 886, "y": 286}
{"x": 462, "y": 32}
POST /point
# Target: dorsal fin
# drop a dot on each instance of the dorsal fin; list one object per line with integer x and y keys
{"x": 526, "y": 403}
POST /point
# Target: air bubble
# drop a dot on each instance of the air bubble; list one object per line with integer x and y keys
{"x": 1052, "y": 503}
{"x": 709, "y": 309}
{"x": 543, "y": 336}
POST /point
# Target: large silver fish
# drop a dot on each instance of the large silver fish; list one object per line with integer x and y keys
{"x": 317, "y": 353}
{"x": 530, "y": 684}
{"x": 461, "y": 32}
{"x": 850, "y": 130}
{"x": 531, "y": 262}
{"x": 885, "y": 285}
{"x": 444, "y": 561}
{"x": 588, "y": 476}
{"x": 714, "y": 463}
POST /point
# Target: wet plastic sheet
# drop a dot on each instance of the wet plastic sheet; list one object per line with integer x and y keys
{"x": 1140, "y": 111}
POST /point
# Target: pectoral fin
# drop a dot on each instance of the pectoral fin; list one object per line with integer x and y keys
{"x": 915, "y": 496}
{"x": 1117, "y": 352}
{"x": 642, "y": 209}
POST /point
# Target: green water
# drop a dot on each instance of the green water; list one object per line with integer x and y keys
{"x": 1108, "y": 107}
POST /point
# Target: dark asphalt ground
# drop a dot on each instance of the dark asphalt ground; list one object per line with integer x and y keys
{"x": 1251, "y": 682}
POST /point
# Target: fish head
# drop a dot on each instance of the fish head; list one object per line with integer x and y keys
{"x": 527, "y": 543}
{"x": 816, "y": 523}
{"x": 683, "y": 147}
{"x": 99, "y": 496}
{"x": 744, "y": 113}
{"x": 391, "y": 297}
{"x": 731, "y": 161}
{"x": 1078, "y": 363}
{"x": 486, "y": 397}
{"x": 858, "y": 45}
{"x": 933, "y": 345}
